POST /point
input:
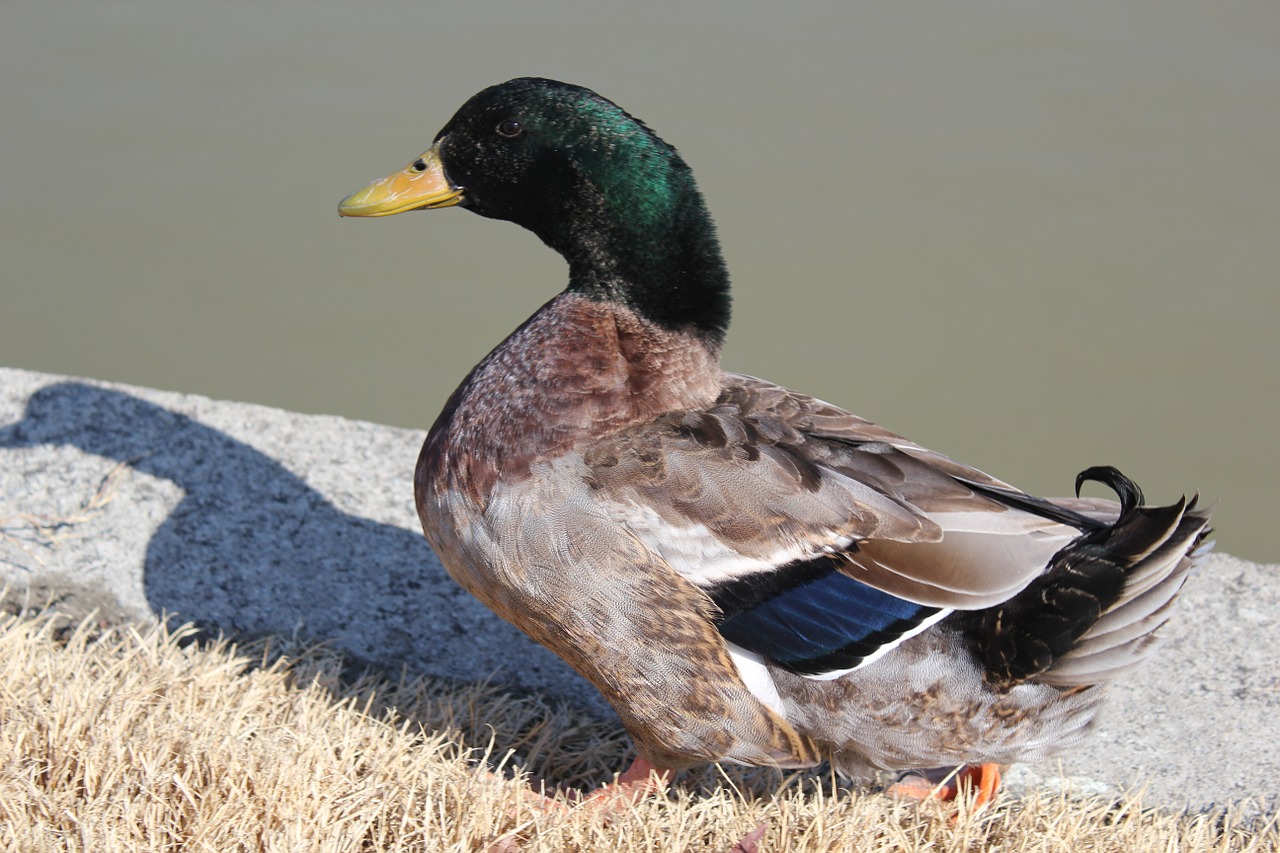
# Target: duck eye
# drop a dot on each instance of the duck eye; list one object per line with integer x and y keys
{"x": 510, "y": 128}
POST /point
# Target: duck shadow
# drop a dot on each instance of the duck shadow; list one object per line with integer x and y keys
{"x": 251, "y": 549}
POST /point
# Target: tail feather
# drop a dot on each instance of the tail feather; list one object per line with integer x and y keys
{"x": 1124, "y": 636}
{"x": 1103, "y": 656}
{"x": 1131, "y": 625}
{"x": 1093, "y": 613}
{"x": 1080, "y": 673}
{"x": 1153, "y": 535}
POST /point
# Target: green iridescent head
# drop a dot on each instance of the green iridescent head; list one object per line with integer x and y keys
{"x": 591, "y": 180}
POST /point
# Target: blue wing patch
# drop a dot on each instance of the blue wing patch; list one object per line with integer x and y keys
{"x": 811, "y": 618}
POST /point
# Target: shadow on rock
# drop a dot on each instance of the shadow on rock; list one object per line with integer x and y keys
{"x": 252, "y": 549}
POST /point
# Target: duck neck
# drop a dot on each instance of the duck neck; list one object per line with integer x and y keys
{"x": 651, "y": 246}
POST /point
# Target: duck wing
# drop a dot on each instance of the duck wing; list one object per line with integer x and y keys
{"x": 823, "y": 539}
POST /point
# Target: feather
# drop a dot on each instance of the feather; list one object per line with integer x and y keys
{"x": 814, "y": 620}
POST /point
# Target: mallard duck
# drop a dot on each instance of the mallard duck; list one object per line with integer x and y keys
{"x": 747, "y": 574}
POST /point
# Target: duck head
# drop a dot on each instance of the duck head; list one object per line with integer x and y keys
{"x": 592, "y": 181}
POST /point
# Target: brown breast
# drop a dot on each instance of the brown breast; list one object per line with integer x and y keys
{"x": 577, "y": 370}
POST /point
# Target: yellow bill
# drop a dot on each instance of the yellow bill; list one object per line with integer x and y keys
{"x": 421, "y": 185}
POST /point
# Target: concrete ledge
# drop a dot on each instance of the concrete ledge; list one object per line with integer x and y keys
{"x": 253, "y": 520}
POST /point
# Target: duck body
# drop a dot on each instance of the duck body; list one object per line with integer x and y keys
{"x": 746, "y": 573}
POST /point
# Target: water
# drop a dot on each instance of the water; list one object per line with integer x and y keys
{"x": 1036, "y": 237}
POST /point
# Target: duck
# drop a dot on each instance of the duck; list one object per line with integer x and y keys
{"x": 746, "y": 573}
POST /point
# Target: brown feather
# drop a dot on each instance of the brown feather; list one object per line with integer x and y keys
{"x": 575, "y": 370}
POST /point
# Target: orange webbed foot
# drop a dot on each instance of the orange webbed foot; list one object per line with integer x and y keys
{"x": 947, "y": 783}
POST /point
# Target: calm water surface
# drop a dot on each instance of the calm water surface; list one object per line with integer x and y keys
{"x": 1034, "y": 236}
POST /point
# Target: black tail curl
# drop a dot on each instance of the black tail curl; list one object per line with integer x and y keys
{"x": 1023, "y": 637}
{"x": 1126, "y": 490}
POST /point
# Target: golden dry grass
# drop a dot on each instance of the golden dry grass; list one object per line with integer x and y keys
{"x": 141, "y": 739}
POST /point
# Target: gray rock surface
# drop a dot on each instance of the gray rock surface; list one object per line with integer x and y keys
{"x": 252, "y": 520}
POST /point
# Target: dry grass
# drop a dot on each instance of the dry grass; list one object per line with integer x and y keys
{"x": 143, "y": 740}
